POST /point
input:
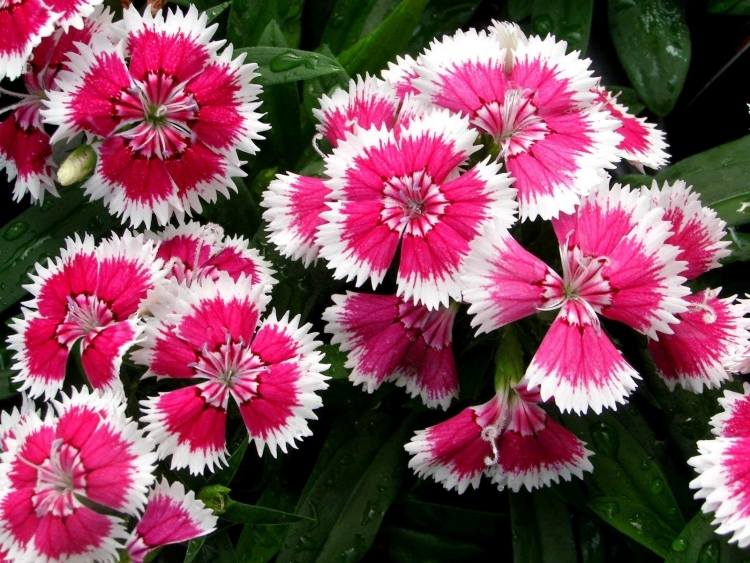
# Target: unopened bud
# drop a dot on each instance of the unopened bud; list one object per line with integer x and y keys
{"x": 77, "y": 166}
{"x": 215, "y": 497}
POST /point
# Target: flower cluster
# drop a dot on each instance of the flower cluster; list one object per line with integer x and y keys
{"x": 164, "y": 108}
{"x": 426, "y": 170}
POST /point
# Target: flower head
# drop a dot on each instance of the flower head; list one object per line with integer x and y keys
{"x": 210, "y": 335}
{"x": 510, "y": 439}
{"x": 389, "y": 339}
{"x": 170, "y": 111}
{"x": 535, "y": 101}
{"x": 62, "y": 472}
{"x": 90, "y": 294}
{"x": 616, "y": 264}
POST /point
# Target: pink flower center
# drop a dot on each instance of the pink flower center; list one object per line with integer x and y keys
{"x": 59, "y": 478}
{"x": 156, "y": 116}
{"x": 515, "y": 123}
{"x": 412, "y": 204}
{"x": 86, "y": 313}
{"x": 233, "y": 370}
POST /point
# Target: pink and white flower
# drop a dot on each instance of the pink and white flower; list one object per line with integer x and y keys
{"x": 642, "y": 143}
{"x": 510, "y": 439}
{"x": 697, "y": 230}
{"x": 400, "y": 76}
{"x": 172, "y": 515}
{"x": 26, "y": 22}
{"x": 25, "y": 148}
{"x": 192, "y": 251}
{"x": 210, "y": 335}
{"x": 706, "y": 345}
{"x": 90, "y": 294}
{"x": 170, "y": 110}
{"x": 722, "y": 464}
{"x": 537, "y": 103}
{"x": 389, "y": 339}
{"x": 407, "y": 190}
{"x": 616, "y": 263}
{"x": 83, "y": 453}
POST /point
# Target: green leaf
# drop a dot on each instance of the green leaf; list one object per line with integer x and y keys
{"x": 402, "y": 545}
{"x": 337, "y": 360}
{"x": 7, "y": 387}
{"x": 372, "y": 53}
{"x": 452, "y": 521}
{"x": 720, "y": 175}
{"x": 215, "y": 11}
{"x": 347, "y": 22}
{"x": 355, "y": 480}
{"x": 279, "y": 65}
{"x": 699, "y": 542}
{"x": 542, "y": 531}
{"x": 242, "y": 513}
{"x": 441, "y": 17}
{"x": 635, "y": 520}
{"x": 734, "y": 7}
{"x": 39, "y": 233}
{"x": 740, "y": 246}
{"x": 565, "y": 19}
{"x": 653, "y": 43}
{"x": 622, "y": 465}
{"x": 216, "y": 548}
{"x": 248, "y": 19}
{"x": 519, "y": 9}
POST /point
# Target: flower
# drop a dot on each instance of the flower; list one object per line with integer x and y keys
{"x": 389, "y": 339}
{"x": 89, "y": 294}
{"x": 722, "y": 465}
{"x": 536, "y": 102}
{"x": 616, "y": 263}
{"x": 25, "y": 147}
{"x": 170, "y": 112}
{"x": 172, "y": 515}
{"x": 642, "y": 144}
{"x": 192, "y": 251}
{"x": 510, "y": 439}
{"x": 61, "y": 469}
{"x": 408, "y": 190}
{"x": 209, "y": 334}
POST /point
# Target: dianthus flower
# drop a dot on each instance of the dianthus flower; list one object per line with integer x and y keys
{"x": 90, "y": 294}
{"x": 389, "y": 339}
{"x": 25, "y": 148}
{"x": 722, "y": 464}
{"x": 535, "y": 101}
{"x": 26, "y": 22}
{"x": 705, "y": 345}
{"x": 410, "y": 189}
{"x": 209, "y": 335}
{"x": 616, "y": 263}
{"x": 509, "y": 439}
{"x": 65, "y": 472}
{"x": 167, "y": 112}
{"x": 193, "y": 251}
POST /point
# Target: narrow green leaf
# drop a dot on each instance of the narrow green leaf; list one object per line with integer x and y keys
{"x": 734, "y": 7}
{"x": 450, "y": 521}
{"x": 7, "y": 387}
{"x": 215, "y": 11}
{"x": 720, "y": 175}
{"x": 248, "y": 19}
{"x": 565, "y": 19}
{"x": 337, "y": 360}
{"x": 279, "y": 65}
{"x": 39, "y": 233}
{"x": 542, "y": 531}
{"x": 653, "y": 43}
{"x": 699, "y": 542}
{"x": 740, "y": 246}
{"x": 441, "y": 17}
{"x": 346, "y": 24}
{"x": 242, "y": 513}
{"x": 402, "y": 545}
{"x": 216, "y": 548}
{"x": 635, "y": 520}
{"x": 519, "y": 9}
{"x": 372, "y": 53}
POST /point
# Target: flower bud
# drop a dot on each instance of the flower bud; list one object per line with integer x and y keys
{"x": 78, "y": 165}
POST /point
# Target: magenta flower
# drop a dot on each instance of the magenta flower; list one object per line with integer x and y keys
{"x": 535, "y": 101}
{"x": 172, "y": 515}
{"x": 389, "y": 339}
{"x": 616, "y": 263}
{"x": 25, "y": 148}
{"x": 210, "y": 335}
{"x": 170, "y": 112}
{"x": 192, "y": 251}
{"x": 90, "y": 294}
{"x": 510, "y": 439}
{"x": 84, "y": 452}
{"x": 722, "y": 464}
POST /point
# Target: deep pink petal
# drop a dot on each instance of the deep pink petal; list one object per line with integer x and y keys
{"x": 102, "y": 352}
